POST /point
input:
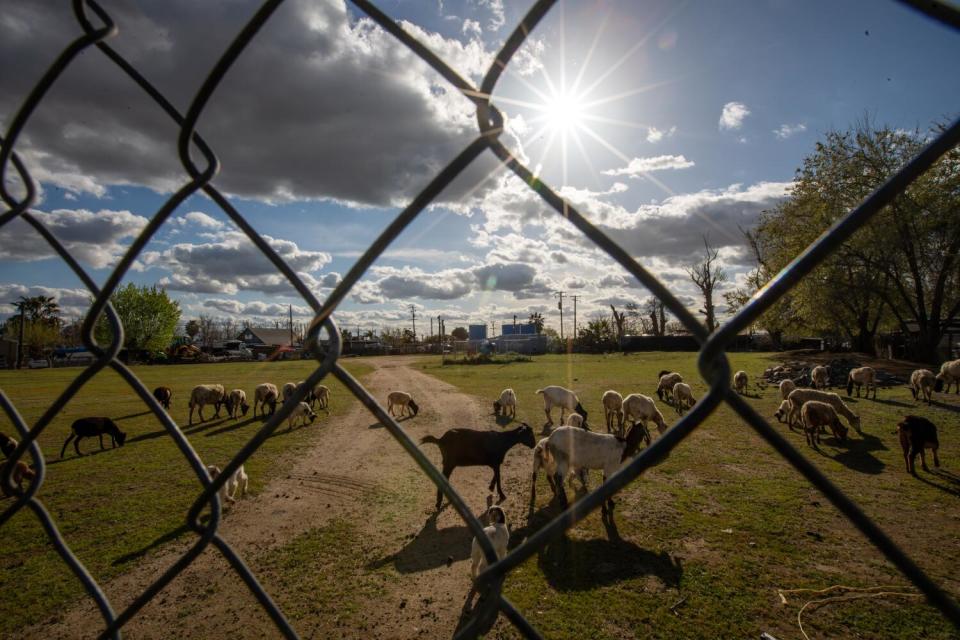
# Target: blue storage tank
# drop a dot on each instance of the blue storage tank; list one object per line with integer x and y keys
{"x": 477, "y": 332}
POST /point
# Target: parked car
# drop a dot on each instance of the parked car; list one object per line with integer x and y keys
{"x": 38, "y": 364}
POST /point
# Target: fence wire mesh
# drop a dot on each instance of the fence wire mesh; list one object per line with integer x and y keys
{"x": 95, "y": 29}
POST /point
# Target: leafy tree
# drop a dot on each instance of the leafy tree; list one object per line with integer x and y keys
{"x": 706, "y": 275}
{"x": 459, "y": 334}
{"x": 536, "y": 319}
{"x": 40, "y": 326}
{"x": 192, "y": 329}
{"x": 148, "y": 315}
{"x": 598, "y": 334}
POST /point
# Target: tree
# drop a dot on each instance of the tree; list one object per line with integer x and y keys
{"x": 209, "y": 331}
{"x": 192, "y": 329}
{"x": 36, "y": 325}
{"x": 619, "y": 321}
{"x": 149, "y": 318}
{"x": 459, "y": 334}
{"x": 536, "y": 319}
{"x": 706, "y": 274}
{"x": 656, "y": 313}
{"x": 598, "y": 334}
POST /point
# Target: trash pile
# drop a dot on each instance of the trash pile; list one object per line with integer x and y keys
{"x": 838, "y": 368}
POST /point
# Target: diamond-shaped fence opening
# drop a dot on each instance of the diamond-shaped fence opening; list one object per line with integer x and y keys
{"x": 200, "y": 164}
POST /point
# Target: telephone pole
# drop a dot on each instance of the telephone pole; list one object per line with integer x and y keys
{"x": 413, "y": 317}
{"x": 290, "y": 310}
{"x": 560, "y": 294}
{"x": 574, "y": 298}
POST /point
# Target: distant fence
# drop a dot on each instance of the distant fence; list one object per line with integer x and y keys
{"x": 95, "y": 27}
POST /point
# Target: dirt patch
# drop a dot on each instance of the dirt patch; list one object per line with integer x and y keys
{"x": 346, "y": 476}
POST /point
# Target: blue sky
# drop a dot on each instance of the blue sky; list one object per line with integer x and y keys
{"x": 698, "y": 115}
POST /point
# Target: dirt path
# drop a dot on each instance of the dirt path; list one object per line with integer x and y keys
{"x": 338, "y": 477}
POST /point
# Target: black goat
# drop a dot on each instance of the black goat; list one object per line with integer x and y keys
{"x": 7, "y": 444}
{"x": 89, "y": 427}
{"x": 917, "y": 434}
{"x": 472, "y": 448}
{"x": 163, "y": 395}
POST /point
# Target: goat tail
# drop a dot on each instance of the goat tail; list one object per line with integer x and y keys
{"x": 540, "y": 391}
{"x": 430, "y": 440}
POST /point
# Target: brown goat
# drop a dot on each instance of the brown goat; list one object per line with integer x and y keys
{"x": 916, "y": 434}
{"x": 163, "y": 395}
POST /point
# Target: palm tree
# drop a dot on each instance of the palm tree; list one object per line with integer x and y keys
{"x": 42, "y": 308}
{"x": 536, "y": 319}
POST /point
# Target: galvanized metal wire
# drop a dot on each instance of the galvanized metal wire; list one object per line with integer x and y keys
{"x": 95, "y": 27}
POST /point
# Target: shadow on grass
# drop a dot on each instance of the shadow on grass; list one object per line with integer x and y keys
{"x": 504, "y": 420}
{"x": 139, "y": 553}
{"x": 857, "y": 455}
{"x": 71, "y": 455}
{"x": 895, "y": 403}
{"x": 134, "y": 415}
{"x": 430, "y": 548}
{"x": 943, "y": 405}
{"x": 232, "y": 427}
{"x": 951, "y": 479}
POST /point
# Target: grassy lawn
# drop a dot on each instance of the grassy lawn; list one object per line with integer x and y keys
{"x": 116, "y": 506}
{"x": 724, "y": 522}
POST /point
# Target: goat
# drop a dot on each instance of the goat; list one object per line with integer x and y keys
{"x": 665, "y": 386}
{"x": 613, "y": 410}
{"x": 507, "y": 400}
{"x": 740, "y": 381}
{"x": 7, "y": 445}
{"x": 20, "y": 472}
{"x": 89, "y": 427}
{"x": 683, "y": 397}
{"x": 237, "y": 400}
{"x": 320, "y": 395}
{"x": 640, "y": 408}
{"x": 816, "y": 414}
{"x": 820, "y": 377}
{"x": 567, "y": 400}
{"x": 922, "y": 382}
{"x": 543, "y": 460}
{"x": 799, "y": 396}
{"x": 239, "y": 481}
{"x": 783, "y": 413}
{"x": 786, "y": 386}
{"x": 289, "y": 388}
{"x": 204, "y": 394}
{"x": 472, "y": 448}
{"x": 265, "y": 394}
{"x": 862, "y": 377}
{"x": 573, "y": 448}
{"x": 916, "y": 434}
{"x": 403, "y": 400}
{"x": 498, "y": 534}
{"x": 163, "y": 396}
{"x": 949, "y": 374}
{"x": 301, "y": 412}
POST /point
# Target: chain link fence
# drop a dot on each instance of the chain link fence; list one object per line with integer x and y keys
{"x": 95, "y": 28}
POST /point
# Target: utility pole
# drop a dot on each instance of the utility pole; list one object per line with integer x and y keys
{"x": 560, "y": 294}
{"x": 19, "y": 306}
{"x": 413, "y": 317}
{"x": 290, "y": 310}
{"x": 431, "y": 326}
{"x": 574, "y": 298}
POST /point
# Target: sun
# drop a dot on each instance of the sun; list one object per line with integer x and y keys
{"x": 563, "y": 112}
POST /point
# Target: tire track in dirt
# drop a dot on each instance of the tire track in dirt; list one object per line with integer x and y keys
{"x": 354, "y": 461}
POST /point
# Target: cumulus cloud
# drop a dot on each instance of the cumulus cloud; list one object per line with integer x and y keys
{"x": 639, "y": 166}
{"x": 73, "y": 302}
{"x": 256, "y": 308}
{"x": 199, "y": 220}
{"x": 733, "y": 115}
{"x": 784, "y": 131}
{"x": 656, "y": 135}
{"x": 97, "y": 239}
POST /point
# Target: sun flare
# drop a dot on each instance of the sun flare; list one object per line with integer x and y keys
{"x": 564, "y": 112}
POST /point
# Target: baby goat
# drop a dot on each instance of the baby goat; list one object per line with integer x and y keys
{"x": 7, "y": 444}
{"x": 499, "y": 535}
{"x": 163, "y": 395}
{"x": 403, "y": 400}
{"x": 916, "y": 434}
{"x": 237, "y": 482}
{"x": 20, "y": 472}
{"x": 89, "y": 427}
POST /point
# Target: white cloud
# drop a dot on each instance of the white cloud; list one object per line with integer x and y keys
{"x": 784, "y": 131}
{"x": 199, "y": 219}
{"x": 639, "y": 166}
{"x": 498, "y": 18}
{"x": 733, "y": 115}
{"x": 73, "y": 302}
{"x": 656, "y": 135}
{"x": 472, "y": 28}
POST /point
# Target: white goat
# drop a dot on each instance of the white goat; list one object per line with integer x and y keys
{"x": 799, "y": 396}
{"x": 239, "y": 481}
{"x": 265, "y": 394}
{"x": 289, "y": 388}
{"x": 820, "y": 377}
{"x": 237, "y": 403}
{"x": 922, "y": 382}
{"x": 506, "y": 401}
{"x": 543, "y": 460}
{"x": 949, "y": 374}
{"x": 816, "y": 414}
{"x": 665, "y": 386}
{"x": 783, "y": 413}
{"x": 683, "y": 397}
{"x": 574, "y": 420}
{"x": 786, "y": 386}
{"x": 640, "y": 408}
{"x": 555, "y": 396}
{"x": 613, "y": 410}
{"x": 740, "y": 381}
{"x": 862, "y": 377}
{"x": 403, "y": 400}
{"x": 499, "y": 535}
{"x": 204, "y": 394}
{"x": 303, "y": 413}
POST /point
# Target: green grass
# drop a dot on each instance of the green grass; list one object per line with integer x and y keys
{"x": 724, "y": 522}
{"x": 116, "y": 506}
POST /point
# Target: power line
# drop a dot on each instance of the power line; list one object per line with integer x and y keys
{"x": 560, "y": 294}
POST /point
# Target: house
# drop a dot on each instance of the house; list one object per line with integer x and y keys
{"x": 269, "y": 341}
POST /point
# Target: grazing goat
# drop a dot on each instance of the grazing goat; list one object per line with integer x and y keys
{"x": 7, "y": 445}
{"x": 289, "y": 388}
{"x": 204, "y": 394}
{"x": 572, "y": 448}
{"x": 89, "y": 427}
{"x": 683, "y": 397}
{"x": 239, "y": 481}
{"x": 542, "y": 460}
{"x": 820, "y": 377}
{"x": 665, "y": 386}
{"x": 321, "y": 396}
{"x": 613, "y": 410}
{"x": 799, "y": 396}
{"x": 20, "y": 472}
{"x": 862, "y": 377}
{"x": 740, "y": 381}
{"x": 640, "y": 408}
{"x": 783, "y": 413}
{"x": 265, "y": 394}
{"x": 576, "y": 420}
{"x": 403, "y": 400}
{"x": 237, "y": 403}
{"x": 303, "y": 413}
{"x": 163, "y": 395}
{"x": 916, "y": 434}
{"x": 949, "y": 374}
{"x": 564, "y": 398}
{"x": 471, "y": 448}
{"x": 498, "y": 534}
{"x": 506, "y": 401}
{"x": 816, "y": 414}
{"x": 786, "y": 386}
{"x": 922, "y": 382}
